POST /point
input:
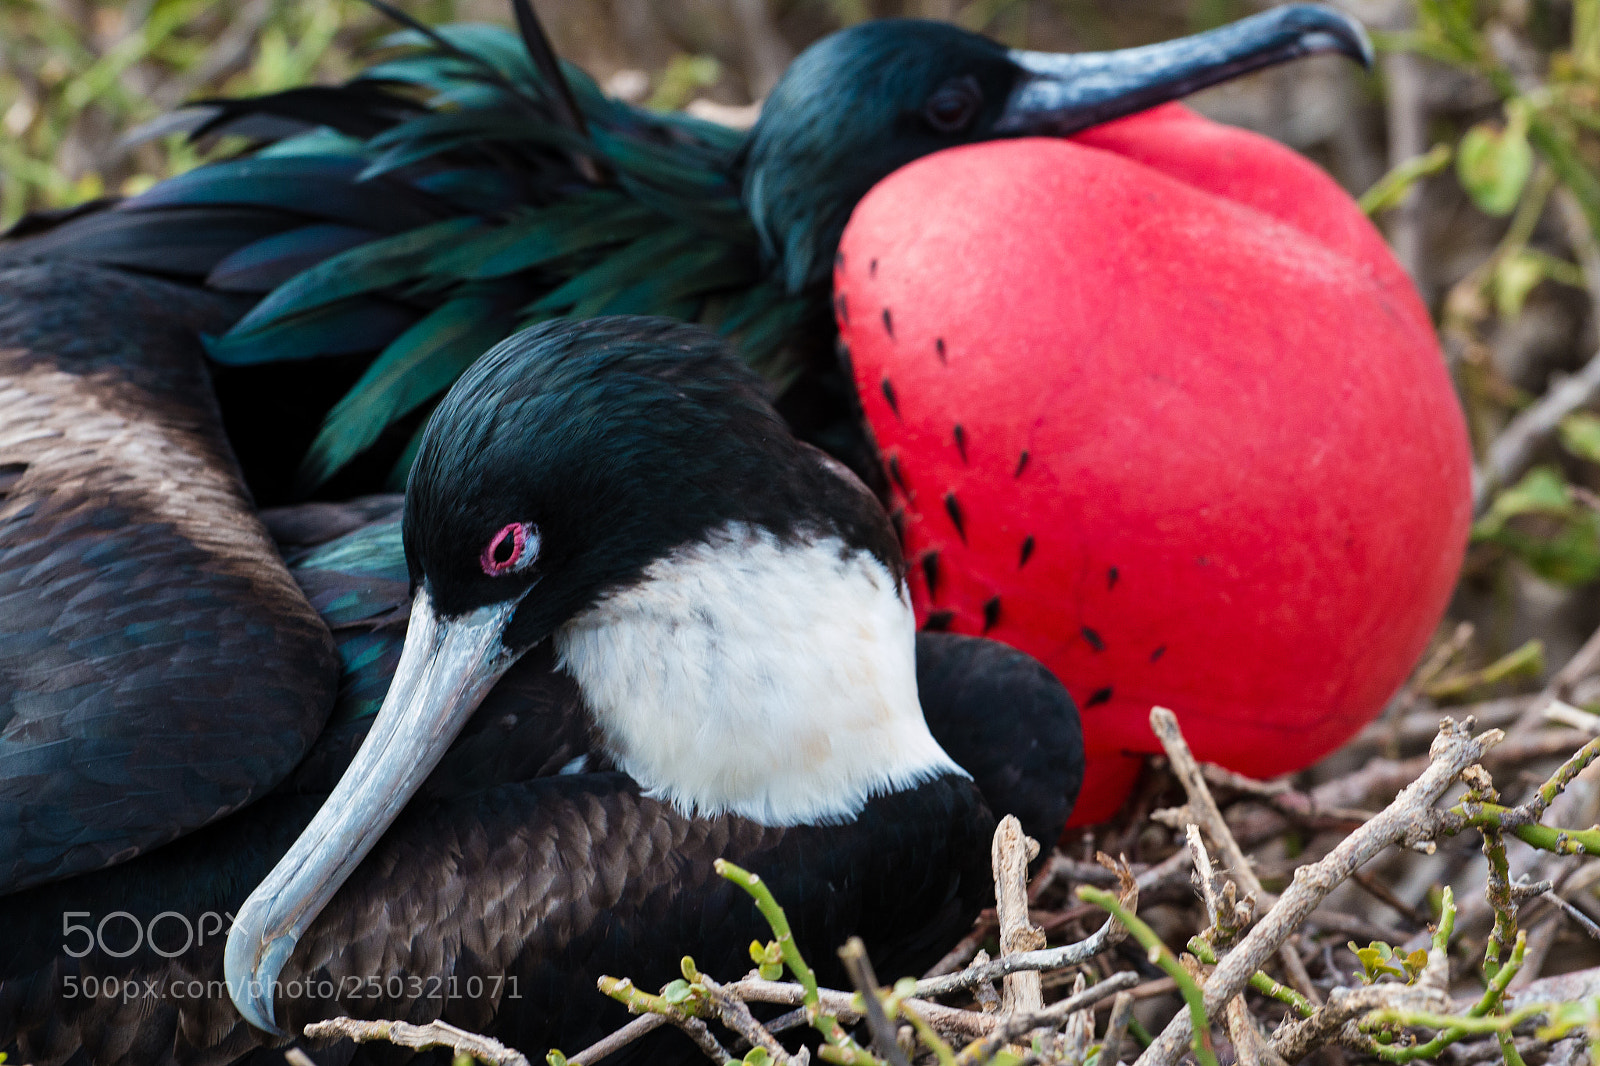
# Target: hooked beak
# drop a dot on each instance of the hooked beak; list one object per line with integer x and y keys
{"x": 1062, "y": 94}
{"x": 446, "y": 668}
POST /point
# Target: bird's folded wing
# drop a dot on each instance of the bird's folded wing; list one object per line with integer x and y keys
{"x": 495, "y": 911}
{"x": 1009, "y": 723}
{"x": 158, "y": 666}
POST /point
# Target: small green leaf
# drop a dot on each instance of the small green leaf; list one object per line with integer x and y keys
{"x": 677, "y": 992}
{"x": 1414, "y": 964}
{"x": 768, "y": 958}
{"x": 554, "y": 1057}
{"x": 1538, "y": 520}
{"x": 1390, "y": 189}
{"x": 1580, "y": 435}
{"x": 1004, "y": 1057}
{"x": 1375, "y": 961}
{"x": 1494, "y": 164}
{"x": 685, "y": 76}
{"x": 1527, "y": 661}
{"x": 757, "y": 1056}
{"x": 1514, "y": 277}
{"x": 1542, "y": 491}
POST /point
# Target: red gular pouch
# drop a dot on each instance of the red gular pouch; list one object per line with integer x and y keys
{"x": 1162, "y": 410}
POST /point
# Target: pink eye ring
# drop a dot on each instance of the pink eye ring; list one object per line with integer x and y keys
{"x": 513, "y": 548}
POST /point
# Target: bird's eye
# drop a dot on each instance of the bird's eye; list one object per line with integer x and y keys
{"x": 953, "y": 105}
{"x": 515, "y": 547}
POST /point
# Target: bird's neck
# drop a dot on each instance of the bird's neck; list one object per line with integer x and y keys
{"x": 748, "y": 675}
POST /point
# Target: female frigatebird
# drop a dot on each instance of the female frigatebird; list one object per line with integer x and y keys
{"x": 701, "y": 623}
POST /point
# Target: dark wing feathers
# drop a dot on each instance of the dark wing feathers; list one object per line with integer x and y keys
{"x": 1008, "y": 722}
{"x": 385, "y": 263}
{"x": 360, "y": 109}
{"x": 181, "y": 242}
{"x": 352, "y": 325}
{"x": 263, "y": 265}
{"x": 496, "y": 910}
{"x": 158, "y": 666}
{"x": 315, "y": 186}
{"x": 416, "y": 367}
{"x": 371, "y": 212}
{"x": 507, "y": 886}
{"x": 537, "y": 45}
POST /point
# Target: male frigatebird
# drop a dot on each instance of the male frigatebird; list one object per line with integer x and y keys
{"x": 706, "y": 649}
{"x": 395, "y": 228}
{"x": 368, "y": 222}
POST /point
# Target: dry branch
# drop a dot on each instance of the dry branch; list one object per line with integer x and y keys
{"x": 1205, "y": 809}
{"x": 1116, "y": 1029}
{"x": 856, "y": 964}
{"x": 419, "y": 1037}
{"x": 1021, "y": 992}
{"x": 1453, "y": 751}
{"x": 617, "y": 1040}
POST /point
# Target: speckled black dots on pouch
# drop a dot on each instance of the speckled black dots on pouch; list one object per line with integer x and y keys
{"x": 1026, "y": 553}
{"x": 938, "y": 346}
{"x": 938, "y": 621}
{"x": 841, "y": 308}
{"x": 1022, "y": 463}
{"x": 872, "y": 268}
{"x": 1111, "y": 578}
{"x": 930, "y": 573}
{"x": 1097, "y": 697}
{"x": 888, "y": 323}
{"x": 888, "y": 394}
{"x": 952, "y": 507}
{"x": 896, "y": 476}
{"x": 960, "y": 435}
{"x": 1093, "y": 638}
{"x": 1156, "y": 655}
{"x": 991, "y": 613}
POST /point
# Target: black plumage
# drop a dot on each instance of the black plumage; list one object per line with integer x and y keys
{"x": 495, "y": 911}
{"x": 160, "y": 670}
{"x": 526, "y": 862}
{"x": 158, "y": 665}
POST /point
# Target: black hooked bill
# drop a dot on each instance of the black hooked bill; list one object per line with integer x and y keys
{"x": 447, "y": 667}
{"x": 1064, "y": 93}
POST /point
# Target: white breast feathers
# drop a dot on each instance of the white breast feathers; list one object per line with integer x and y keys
{"x": 771, "y": 680}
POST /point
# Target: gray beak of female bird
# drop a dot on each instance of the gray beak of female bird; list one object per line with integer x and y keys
{"x": 446, "y": 668}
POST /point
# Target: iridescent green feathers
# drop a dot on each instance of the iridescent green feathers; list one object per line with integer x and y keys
{"x": 440, "y": 203}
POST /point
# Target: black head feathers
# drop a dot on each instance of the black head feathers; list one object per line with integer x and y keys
{"x": 574, "y": 454}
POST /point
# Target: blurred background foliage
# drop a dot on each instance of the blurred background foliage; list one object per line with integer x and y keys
{"x": 1475, "y": 144}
